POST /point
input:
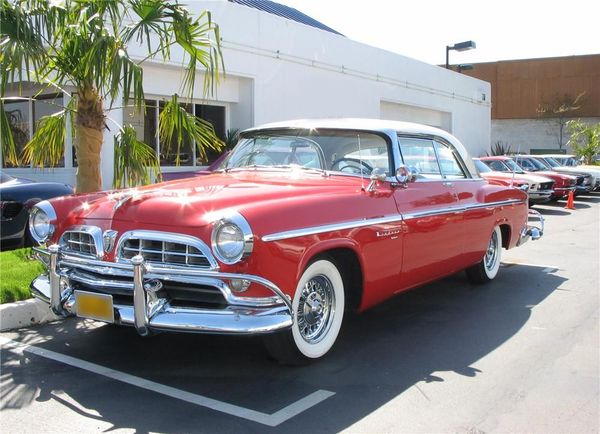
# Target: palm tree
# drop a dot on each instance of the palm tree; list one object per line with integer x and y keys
{"x": 83, "y": 45}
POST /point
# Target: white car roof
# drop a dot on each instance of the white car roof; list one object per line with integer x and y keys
{"x": 377, "y": 125}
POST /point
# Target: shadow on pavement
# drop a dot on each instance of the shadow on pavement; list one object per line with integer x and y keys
{"x": 415, "y": 337}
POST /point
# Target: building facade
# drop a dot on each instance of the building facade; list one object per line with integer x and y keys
{"x": 534, "y": 98}
{"x": 279, "y": 68}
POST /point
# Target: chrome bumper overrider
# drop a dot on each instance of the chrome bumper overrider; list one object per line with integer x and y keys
{"x": 148, "y": 311}
{"x": 533, "y": 232}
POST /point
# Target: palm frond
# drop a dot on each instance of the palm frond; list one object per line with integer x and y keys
{"x": 9, "y": 147}
{"x": 175, "y": 123}
{"x": 21, "y": 45}
{"x": 135, "y": 162}
{"x": 47, "y": 146}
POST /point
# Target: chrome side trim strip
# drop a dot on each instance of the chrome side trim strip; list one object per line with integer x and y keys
{"x": 313, "y": 230}
{"x": 494, "y": 204}
{"x": 461, "y": 209}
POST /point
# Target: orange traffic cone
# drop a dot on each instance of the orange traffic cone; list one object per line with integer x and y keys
{"x": 570, "y": 204}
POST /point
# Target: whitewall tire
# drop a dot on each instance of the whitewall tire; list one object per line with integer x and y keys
{"x": 318, "y": 307}
{"x": 488, "y": 267}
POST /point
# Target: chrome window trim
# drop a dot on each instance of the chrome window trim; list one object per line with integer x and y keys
{"x": 94, "y": 231}
{"x": 165, "y": 237}
{"x": 314, "y": 230}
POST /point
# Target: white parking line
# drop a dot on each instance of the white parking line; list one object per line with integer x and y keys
{"x": 274, "y": 419}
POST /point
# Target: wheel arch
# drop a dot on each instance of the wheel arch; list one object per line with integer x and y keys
{"x": 347, "y": 259}
{"x": 505, "y": 231}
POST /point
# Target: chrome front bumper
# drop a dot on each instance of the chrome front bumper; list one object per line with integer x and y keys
{"x": 148, "y": 312}
{"x": 540, "y": 196}
{"x": 533, "y": 232}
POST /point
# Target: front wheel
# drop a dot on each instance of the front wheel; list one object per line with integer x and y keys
{"x": 318, "y": 309}
{"x": 488, "y": 267}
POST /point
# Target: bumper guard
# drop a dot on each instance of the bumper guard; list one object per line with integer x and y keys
{"x": 533, "y": 232}
{"x": 150, "y": 312}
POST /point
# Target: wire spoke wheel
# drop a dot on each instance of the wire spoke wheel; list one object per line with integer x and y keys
{"x": 316, "y": 308}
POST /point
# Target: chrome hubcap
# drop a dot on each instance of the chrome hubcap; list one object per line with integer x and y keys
{"x": 492, "y": 252}
{"x": 315, "y": 309}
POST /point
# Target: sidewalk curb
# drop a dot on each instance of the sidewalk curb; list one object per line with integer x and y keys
{"x": 24, "y": 314}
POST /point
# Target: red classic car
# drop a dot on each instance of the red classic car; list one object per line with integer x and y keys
{"x": 563, "y": 183}
{"x": 302, "y": 221}
{"x": 538, "y": 188}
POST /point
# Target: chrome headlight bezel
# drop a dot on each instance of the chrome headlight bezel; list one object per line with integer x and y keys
{"x": 237, "y": 223}
{"x": 43, "y": 210}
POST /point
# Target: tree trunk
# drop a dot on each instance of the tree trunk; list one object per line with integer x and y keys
{"x": 88, "y": 140}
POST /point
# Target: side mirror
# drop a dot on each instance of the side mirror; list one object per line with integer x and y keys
{"x": 377, "y": 175}
{"x": 404, "y": 174}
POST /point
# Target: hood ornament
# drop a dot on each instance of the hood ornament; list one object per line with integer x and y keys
{"x": 108, "y": 239}
{"x": 119, "y": 203}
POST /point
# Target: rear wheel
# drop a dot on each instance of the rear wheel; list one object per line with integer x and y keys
{"x": 318, "y": 309}
{"x": 488, "y": 267}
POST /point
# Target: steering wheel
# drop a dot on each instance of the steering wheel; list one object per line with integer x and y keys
{"x": 354, "y": 165}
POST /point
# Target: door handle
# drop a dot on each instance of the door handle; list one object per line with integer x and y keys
{"x": 448, "y": 184}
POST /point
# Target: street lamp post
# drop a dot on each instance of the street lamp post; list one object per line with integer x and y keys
{"x": 461, "y": 46}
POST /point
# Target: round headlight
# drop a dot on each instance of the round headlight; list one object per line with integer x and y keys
{"x": 41, "y": 221}
{"x": 232, "y": 239}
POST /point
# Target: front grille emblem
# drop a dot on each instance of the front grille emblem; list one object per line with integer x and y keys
{"x": 108, "y": 238}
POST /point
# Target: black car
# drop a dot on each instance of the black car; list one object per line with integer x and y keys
{"x": 17, "y": 196}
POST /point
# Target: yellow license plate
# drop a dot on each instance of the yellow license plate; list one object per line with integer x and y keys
{"x": 94, "y": 306}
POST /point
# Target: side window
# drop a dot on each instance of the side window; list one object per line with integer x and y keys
{"x": 419, "y": 155}
{"x": 449, "y": 162}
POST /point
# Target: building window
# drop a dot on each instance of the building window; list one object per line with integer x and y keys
{"x": 146, "y": 126}
{"x": 19, "y": 114}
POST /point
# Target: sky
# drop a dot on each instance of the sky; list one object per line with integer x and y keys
{"x": 502, "y": 30}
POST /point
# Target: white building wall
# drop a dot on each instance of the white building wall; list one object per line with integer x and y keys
{"x": 300, "y": 71}
{"x": 524, "y": 135}
{"x": 277, "y": 69}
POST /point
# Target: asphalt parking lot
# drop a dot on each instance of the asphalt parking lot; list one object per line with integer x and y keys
{"x": 519, "y": 355}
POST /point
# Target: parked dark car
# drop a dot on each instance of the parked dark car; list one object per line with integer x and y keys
{"x": 17, "y": 196}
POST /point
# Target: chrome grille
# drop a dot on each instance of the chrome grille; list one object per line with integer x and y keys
{"x": 162, "y": 250}
{"x": 79, "y": 242}
{"x": 546, "y": 185}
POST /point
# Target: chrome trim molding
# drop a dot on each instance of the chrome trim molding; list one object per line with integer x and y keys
{"x": 314, "y": 230}
{"x": 47, "y": 208}
{"x": 330, "y": 228}
{"x": 238, "y": 220}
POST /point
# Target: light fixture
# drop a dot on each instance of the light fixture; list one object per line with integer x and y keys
{"x": 461, "y": 46}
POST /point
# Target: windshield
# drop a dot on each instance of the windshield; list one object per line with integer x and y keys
{"x": 552, "y": 162}
{"x": 481, "y": 167}
{"x": 514, "y": 167}
{"x": 534, "y": 163}
{"x": 350, "y": 152}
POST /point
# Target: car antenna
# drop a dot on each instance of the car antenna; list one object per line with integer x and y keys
{"x": 514, "y": 169}
{"x": 362, "y": 179}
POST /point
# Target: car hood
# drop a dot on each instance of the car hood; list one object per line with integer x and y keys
{"x": 518, "y": 177}
{"x": 199, "y": 201}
